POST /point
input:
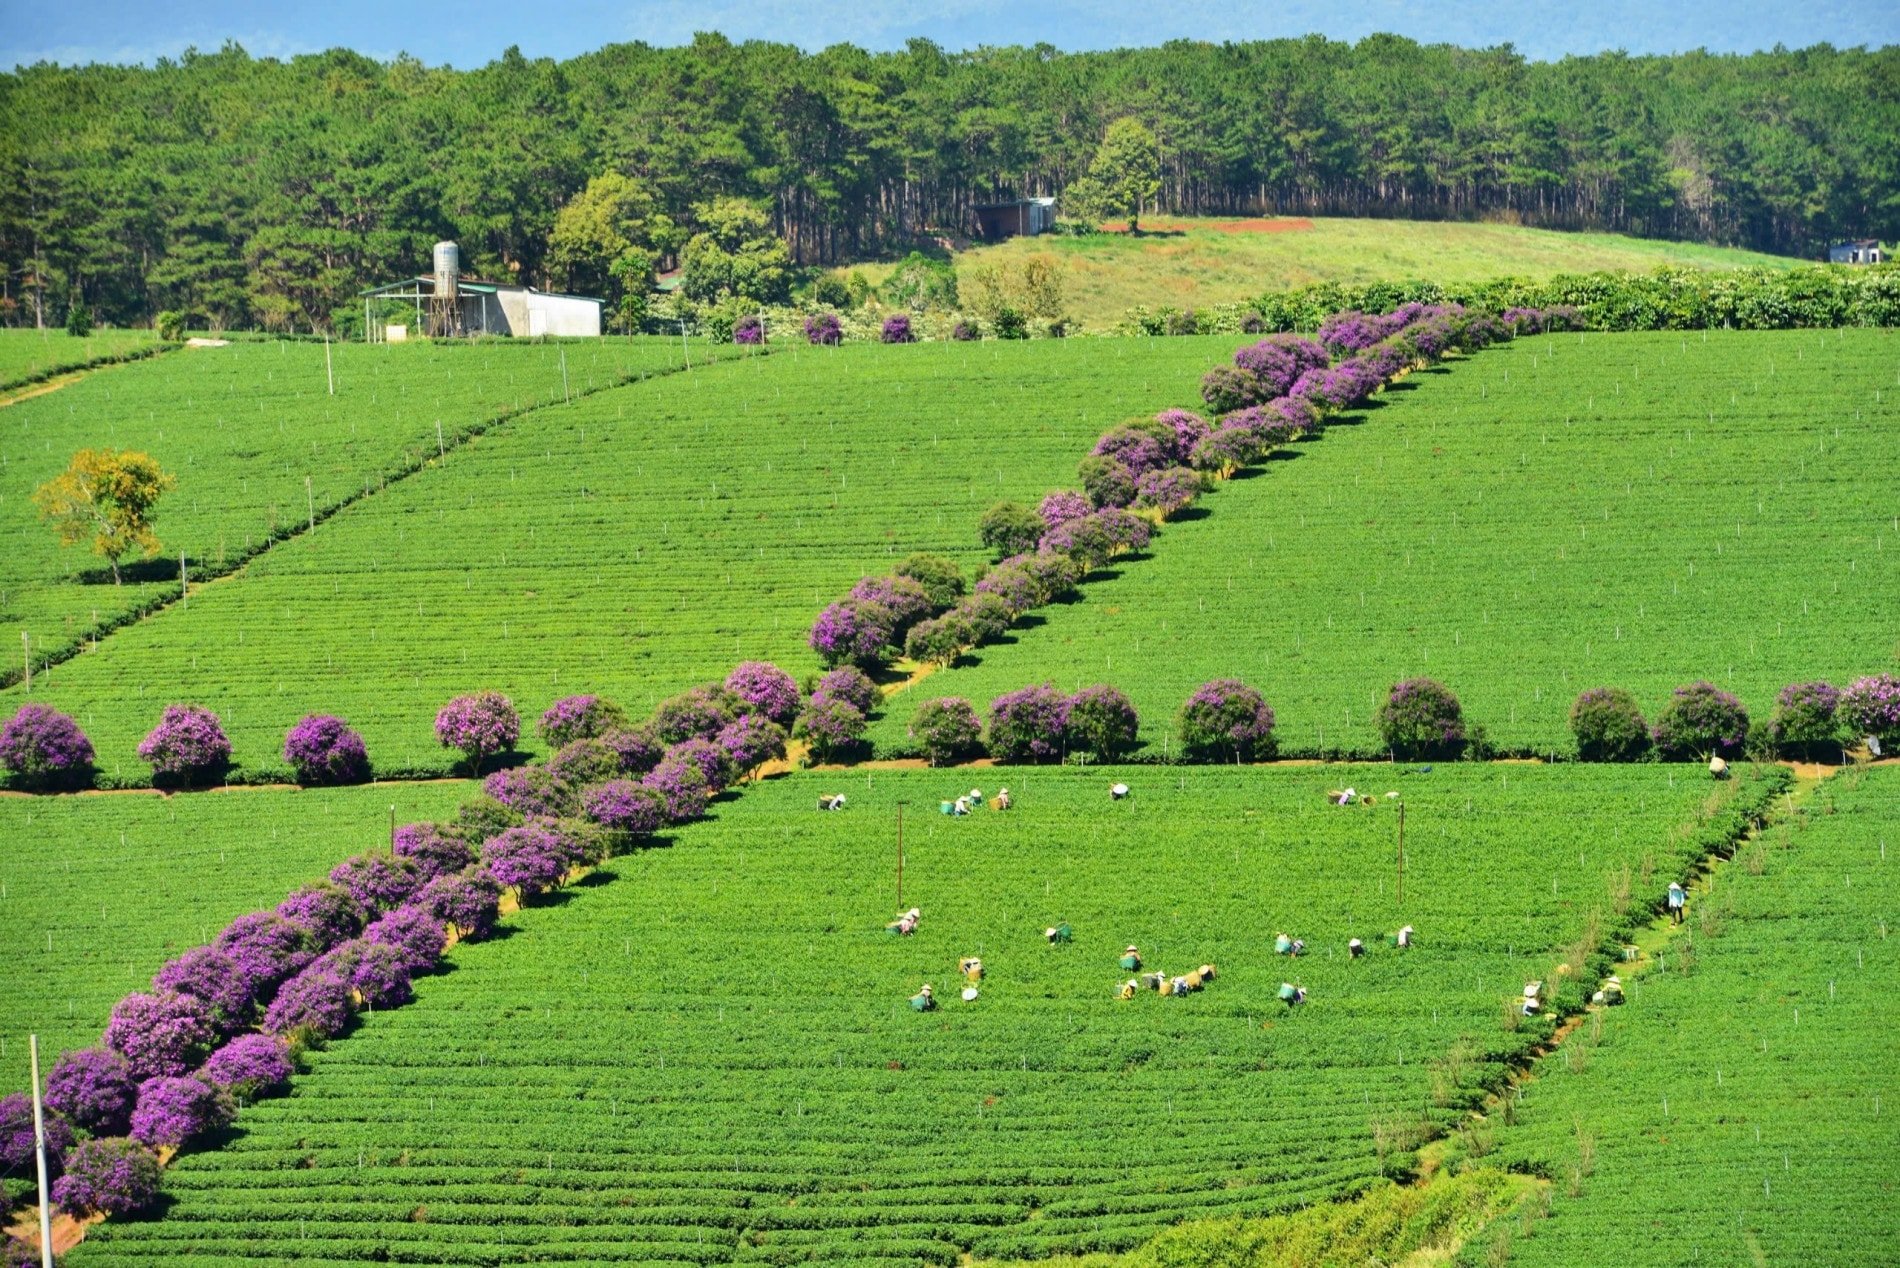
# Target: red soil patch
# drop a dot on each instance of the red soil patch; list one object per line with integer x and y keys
{"x": 1294, "y": 224}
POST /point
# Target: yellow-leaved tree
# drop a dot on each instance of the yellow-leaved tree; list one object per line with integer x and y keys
{"x": 106, "y": 495}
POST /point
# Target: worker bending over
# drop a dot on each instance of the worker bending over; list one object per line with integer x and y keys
{"x": 906, "y": 924}
{"x": 1059, "y": 933}
{"x": 923, "y": 1001}
{"x": 971, "y": 967}
{"x": 1131, "y": 957}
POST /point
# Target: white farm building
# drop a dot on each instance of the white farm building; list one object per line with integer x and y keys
{"x": 447, "y": 305}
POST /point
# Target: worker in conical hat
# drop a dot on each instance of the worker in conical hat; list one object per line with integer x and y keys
{"x": 923, "y": 1001}
{"x": 1291, "y": 994}
{"x": 1678, "y": 899}
{"x": 1718, "y": 768}
{"x": 1117, "y": 791}
{"x": 1127, "y": 989}
{"x": 1059, "y": 933}
{"x": 971, "y": 967}
{"x": 1001, "y": 801}
{"x": 1131, "y": 957}
{"x": 1355, "y": 948}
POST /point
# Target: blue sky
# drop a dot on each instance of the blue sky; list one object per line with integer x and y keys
{"x": 474, "y": 31}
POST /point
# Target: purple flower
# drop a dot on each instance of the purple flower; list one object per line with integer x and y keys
{"x": 528, "y": 859}
{"x": 638, "y": 749}
{"x": 853, "y": 631}
{"x": 824, "y": 330}
{"x": 323, "y": 750}
{"x": 578, "y": 718}
{"x": 469, "y": 901}
{"x": 766, "y": 690}
{"x": 95, "y": 1088}
{"x": 1135, "y": 448}
{"x": 625, "y": 806}
{"x": 417, "y": 935}
{"x": 752, "y": 741}
{"x": 681, "y": 781}
{"x": 1349, "y": 331}
{"x": 377, "y": 971}
{"x": 267, "y": 947}
{"x": 249, "y": 1066}
{"x": 433, "y": 851}
{"x": 17, "y": 1139}
{"x": 1422, "y": 718}
{"x": 165, "y": 1033}
{"x": 1701, "y": 719}
{"x": 1062, "y": 506}
{"x": 1226, "y": 719}
{"x": 905, "y": 599}
{"x": 1170, "y": 491}
{"x": 583, "y": 762}
{"x": 480, "y": 725}
{"x": 317, "y": 1001}
{"x": 173, "y": 1110}
{"x": 1225, "y": 450}
{"x": 188, "y": 743}
{"x": 213, "y": 976}
{"x": 1188, "y": 430}
{"x": 714, "y": 762}
{"x": 830, "y": 725}
{"x": 530, "y": 790}
{"x": 965, "y": 331}
{"x": 113, "y": 1176}
{"x": 377, "y": 882}
{"x": 748, "y": 331}
{"x": 1871, "y": 706}
{"x": 1029, "y": 724}
{"x": 695, "y": 714}
{"x": 1101, "y": 721}
{"x": 897, "y": 329}
{"x": 326, "y": 910}
{"x": 44, "y": 748}
{"x": 849, "y": 684}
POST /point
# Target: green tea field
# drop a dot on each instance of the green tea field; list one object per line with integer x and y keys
{"x": 704, "y": 1054}
{"x": 30, "y": 355}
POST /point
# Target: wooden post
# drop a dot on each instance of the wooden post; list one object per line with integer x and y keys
{"x": 564, "y": 396}
{"x": 328, "y": 372}
{"x": 1399, "y": 899}
{"x": 26, "y": 649}
{"x": 310, "y": 501}
{"x": 184, "y": 581}
{"x": 684, "y": 347}
{"x": 440, "y": 450}
{"x": 392, "y": 830}
{"x": 39, "y": 1153}
{"x": 900, "y": 854}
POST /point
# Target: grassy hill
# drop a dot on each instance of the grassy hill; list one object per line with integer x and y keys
{"x": 26, "y": 355}
{"x": 1188, "y": 262}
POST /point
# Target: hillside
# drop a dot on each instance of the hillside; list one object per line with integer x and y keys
{"x": 1189, "y": 262}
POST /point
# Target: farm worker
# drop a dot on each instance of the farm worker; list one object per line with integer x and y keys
{"x": 1610, "y": 993}
{"x": 971, "y": 967}
{"x": 1127, "y": 989}
{"x": 831, "y": 801}
{"x": 946, "y": 807}
{"x": 974, "y": 796}
{"x": 1177, "y": 986}
{"x": 1347, "y": 797}
{"x": 1718, "y": 768}
{"x": 1207, "y": 972}
{"x": 1403, "y": 938}
{"x": 1297, "y": 947}
{"x": 1678, "y": 898}
{"x": 1533, "y": 998}
{"x": 923, "y": 1001}
{"x": 1282, "y": 945}
{"x": 1153, "y": 981}
{"x": 1131, "y": 957}
{"x": 1117, "y": 791}
{"x": 905, "y": 924}
{"x": 1355, "y": 948}
{"x": 1292, "y": 994}
{"x": 1193, "y": 980}
{"x": 1059, "y": 933}
{"x": 960, "y": 807}
{"x": 1002, "y": 801}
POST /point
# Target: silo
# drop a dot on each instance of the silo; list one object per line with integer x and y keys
{"x": 448, "y": 266}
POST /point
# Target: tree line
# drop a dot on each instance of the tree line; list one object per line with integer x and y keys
{"x": 248, "y": 191}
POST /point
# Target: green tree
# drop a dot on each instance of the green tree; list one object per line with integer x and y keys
{"x": 735, "y": 255}
{"x": 1087, "y": 202}
{"x": 109, "y": 496}
{"x": 607, "y": 238}
{"x": 1126, "y": 170}
{"x": 78, "y": 316}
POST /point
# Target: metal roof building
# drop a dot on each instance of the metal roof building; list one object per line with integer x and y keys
{"x": 447, "y": 305}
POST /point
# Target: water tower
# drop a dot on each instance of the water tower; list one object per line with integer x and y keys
{"x": 445, "y": 309}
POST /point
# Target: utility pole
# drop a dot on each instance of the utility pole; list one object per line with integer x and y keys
{"x": 392, "y": 831}
{"x": 39, "y": 1153}
{"x": 328, "y": 373}
{"x": 900, "y": 853}
{"x": 1399, "y": 900}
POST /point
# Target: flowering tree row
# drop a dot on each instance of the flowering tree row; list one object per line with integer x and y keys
{"x": 1811, "y": 719}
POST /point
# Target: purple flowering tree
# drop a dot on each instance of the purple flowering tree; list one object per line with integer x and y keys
{"x": 188, "y": 745}
{"x": 1422, "y": 718}
{"x": 267, "y": 947}
{"x": 1189, "y": 429}
{"x": 480, "y": 725}
{"x": 95, "y": 1088}
{"x": 699, "y": 713}
{"x": 1170, "y": 490}
{"x": 897, "y": 329}
{"x": 1084, "y": 540}
{"x": 948, "y": 730}
{"x": 1609, "y": 726}
{"x": 1063, "y": 505}
{"x": 1225, "y": 450}
{"x": 751, "y": 742}
{"x": 529, "y": 859}
{"x": 326, "y": 911}
{"x": 714, "y": 762}
{"x": 108, "y": 1176}
{"x": 530, "y": 790}
{"x": 584, "y": 762}
{"x": 1102, "y": 722}
{"x": 1805, "y": 718}
{"x": 638, "y": 749}
{"x": 579, "y": 718}
{"x": 433, "y": 851}
{"x": 468, "y": 901}
{"x": 164, "y": 1033}
{"x": 624, "y": 806}
{"x": 1226, "y": 720}
{"x": 824, "y": 330}
{"x": 906, "y": 600}
{"x": 171, "y": 1111}
{"x": 376, "y": 971}
{"x": 830, "y": 726}
{"x": 1029, "y": 725}
{"x": 418, "y": 937}
{"x": 317, "y": 1003}
{"x": 323, "y": 750}
{"x": 849, "y": 684}
{"x": 42, "y": 748}
{"x": 17, "y": 1143}
{"x": 1139, "y": 447}
{"x": 749, "y": 331}
{"x": 377, "y": 882}
{"x": 215, "y": 977}
{"x": 1871, "y": 706}
{"x": 853, "y": 631}
{"x": 1701, "y": 719}
{"x": 250, "y": 1066}
{"x": 766, "y": 690}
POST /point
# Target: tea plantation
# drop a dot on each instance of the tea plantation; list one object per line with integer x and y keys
{"x": 704, "y": 1053}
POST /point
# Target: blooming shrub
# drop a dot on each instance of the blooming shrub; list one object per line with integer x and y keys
{"x": 1226, "y": 720}
{"x": 528, "y": 859}
{"x": 1349, "y": 331}
{"x": 1804, "y": 716}
{"x": 1701, "y": 719}
{"x": 530, "y": 790}
{"x": 638, "y": 749}
{"x": 681, "y": 783}
{"x": 108, "y": 1176}
{"x": 376, "y": 971}
{"x": 824, "y": 330}
{"x": 940, "y": 577}
{"x": 188, "y": 744}
{"x": 417, "y": 936}
{"x": 1108, "y": 481}
{"x": 1871, "y": 706}
{"x": 1063, "y": 505}
{"x": 906, "y": 601}
{"x": 326, "y": 910}
{"x": 378, "y": 882}
{"x": 897, "y": 329}
{"x": 765, "y": 689}
{"x": 214, "y": 977}
{"x": 1013, "y": 585}
{"x": 1010, "y": 528}
{"x": 164, "y": 1033}
{"x": 1029, "y": 724}
{"x": 1101, "y": 722}
{"x": 94, "y": 1088}
{"x": 267, "y": 947}
{"x": 1422, "y": 718}
{"x": 988, "y": 616}
{"x": 17, "y": 1142}
{"x": 752, "y": 741}
{"x": 1084, "y": 540}
{"x": 749, "y": 331}
{"x": 849, "y": 684}
{"x": 625, "y": 806}
{"x": 481, "y": 817}
{"x": 714, "y": 762}
{"x": 1225, "y": 450}
{"x": 1609, "y": 726}
{"x": 698, "y": 713}
{"x": 480, "y": 725}
{"x": 579, "y": 718}
{"x": 940, "y": 640}
{"x": 830, "y": 725}
{"x": 467, "y": 901}
{"x": 948, "y": 729}
{"x": 1170, "y": 490}
{"x": 317, "y": 1004}
{"x": 433, "y": 851}
{"x": 249, "y": 1066}
{"x": 42, "y": 748}
{"x": 853, "y": 631}
{"x": 1187, "y": 427}
{"x": 323, "y": 750}
{"x": 965, "y": 331}
{"x": 1140, "y": 447}
{"x": 583, "y": 762}
{"x": 171, "y": 1110}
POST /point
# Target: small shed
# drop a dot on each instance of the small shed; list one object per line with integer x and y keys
{"x": 1859, "y": 251}
{"x": 1024, "y": 217}
{"x": 485, "y": 308}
